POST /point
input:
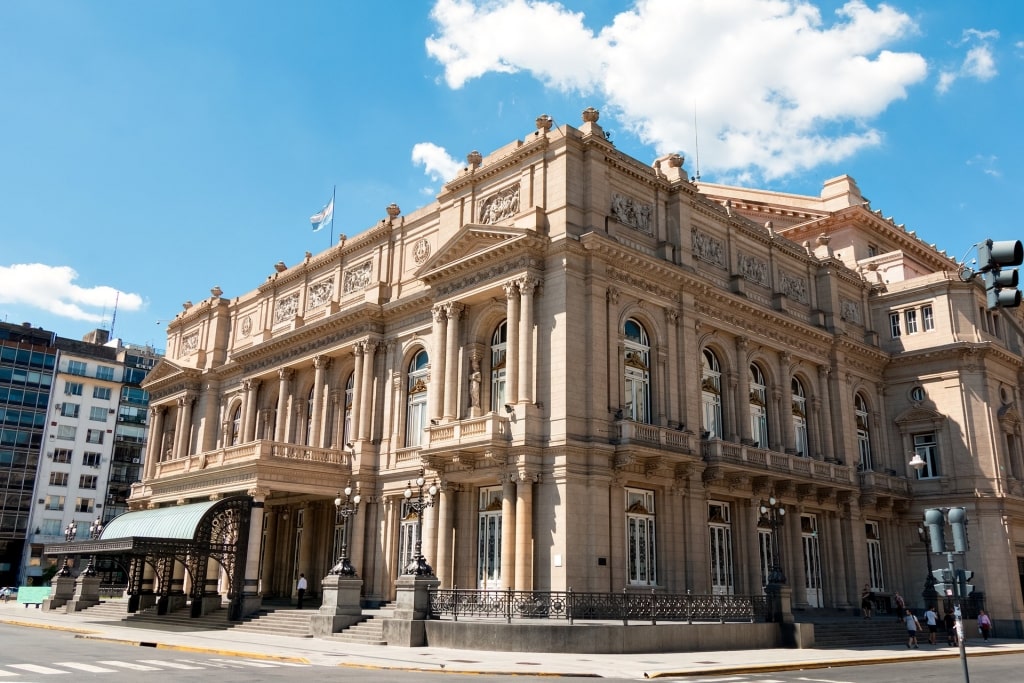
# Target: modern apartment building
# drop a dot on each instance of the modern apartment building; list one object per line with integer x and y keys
{"x": 606, "y": 368}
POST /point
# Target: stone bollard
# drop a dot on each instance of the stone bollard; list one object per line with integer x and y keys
{"x": 341, "y": 605}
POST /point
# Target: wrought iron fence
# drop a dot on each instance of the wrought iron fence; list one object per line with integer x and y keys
{"x": 570, "y": 605}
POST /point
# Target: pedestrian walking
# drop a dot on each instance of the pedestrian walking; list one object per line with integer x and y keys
{"x": 984, "y": 624}
{"x": 931, "y": 618}
{"x": 867, "y": 601}
{"x": 913, "y": 626}
{"x": 949, "y": 622}
{"x": 301, "y": 586}
{"x": 901, "y": 605}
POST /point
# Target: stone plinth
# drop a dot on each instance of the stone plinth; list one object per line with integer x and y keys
{"x": 341, "y": 605}
{"x": 412, "y": 603}
{"x": 62, "y": 590}
{"x": 87, "y": 593}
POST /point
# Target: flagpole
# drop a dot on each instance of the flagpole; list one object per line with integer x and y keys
{"x": 334, "y": 192}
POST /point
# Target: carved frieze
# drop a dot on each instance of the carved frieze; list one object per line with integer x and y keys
{"x": 189, "y": 343}
{"x": 356, "y": 278}
{"x": 421, "y": 250}
{"x": 286, "y": 307}
{"x": 850, "y": 310}
{"x": 794, "y": 287}
{"x": 629, "y": 211}
{"x": 753, "y": 269}
{"x": 500, "y": 205}
{"x": 708, "y": 248}
{"x": 320, "y": 293}
{"x": 246, "y": 326}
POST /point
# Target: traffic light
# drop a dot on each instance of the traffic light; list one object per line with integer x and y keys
{"x": 958, "y": 523}
{"x": 935, "y": 522}
{"x": 962, "y": 577}
{"x": 1000, "y": 285}
{"x": 942, "y": 576}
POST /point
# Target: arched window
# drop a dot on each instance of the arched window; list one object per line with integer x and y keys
{"x": 758, "y": 407}
{"x": 860, "y": 407}
{"x": 711, "y": 395}
{"x": 800, "y": 418}
{"x": 499, "y": 371}
{"x": 416, "y": 401}
{"x": 236, "y": 426}
{"x": 638, "y": 373}
{"x": 346, "y": 418}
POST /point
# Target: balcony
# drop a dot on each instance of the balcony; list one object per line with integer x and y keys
{"x": 728, "y": 454}
{"x": 256, "y": 452}
{"x": 482, "y": 432}
{"x": 626, "y": 432}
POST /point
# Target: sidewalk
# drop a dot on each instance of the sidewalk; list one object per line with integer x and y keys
{"x": 332, "y": 653}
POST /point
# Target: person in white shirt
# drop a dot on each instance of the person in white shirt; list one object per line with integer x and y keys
{"x": 302, "y": 585}
{"x": 931, "y": 617}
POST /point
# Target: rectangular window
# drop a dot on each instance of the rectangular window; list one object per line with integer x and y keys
{"x": 877, "y": 579}
{"x": 66, "y": 432}
{"x": 872, "y": 250}
{"x": 58, "y": 478}
{"x": 84, "y": 505}
{"x": 98, "y": 414}
{"x": 105, "y": 372}
{"x": 62, "y": 455}
{"x": 94, "y": 436}
{"x": 73, "y": 388}
{"x": 87, "y": 481}
{"x": 69, "y": 409}
{"x": 894, "y": 325}
{"x": 926, "y": 446}
{"x": 91, "y": 459}
{"x": 55, "y": 502}
{"x": 76, "y": 367}
{"x": 910, "y": 317}
{"x": 102, "y": 393}
{"x": 50, "y": 527}
{"x": 640, "y": 538}
{"x": 927, "y": 319}
{"x": 720, "y": 536}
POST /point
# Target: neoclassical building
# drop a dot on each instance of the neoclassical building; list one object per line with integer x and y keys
{"x": 605, "y": 367}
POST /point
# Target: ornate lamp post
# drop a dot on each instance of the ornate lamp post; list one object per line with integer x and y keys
{"x": 419, "y": 565}
{"x": 70, "y": 531}
{"x": 929, "y": 593}
{"x": 346, "y": 507}
{"x": 774, "y": 513}
{"x": 95, "y": 528}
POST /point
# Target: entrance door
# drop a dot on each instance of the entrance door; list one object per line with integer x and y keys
{"x": 488, "y": 561}
{"x": 812, "y": 560}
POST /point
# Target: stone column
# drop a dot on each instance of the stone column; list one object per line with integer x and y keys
{"x": 442, "y": 562}
{"x": 429, "y": 529}
{"x": 156, "y": 437}
{"x": 269, "y": 550}
{"x": 320, "y": 364}
{"x": 211, "y": 421}
{"x": 357, "y": 384}
{"x": 284, "y": 383}
{"x": 454, "y": 312}
{"x": 306, "y": 546}
{"x": 251, "y": 598}
{"x": 526, "y": 289}
{"x": 512, "y": 350}
{"x": 438, "y": 343}
{"x": 249, "y": 412}
{"x": 366, "y": 392}
{"x": 743, "y": 418}
{"x": 825, "y": 378}
{"x": 508, "y": 532}
{"x": 524, "y": 533}
{"x": 183, "y": 434}
{"x": 786, "y": 404}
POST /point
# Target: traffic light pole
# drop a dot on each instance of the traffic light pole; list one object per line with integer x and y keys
{"x": 959, "y": 617}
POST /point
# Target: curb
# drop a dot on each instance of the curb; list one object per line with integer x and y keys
{"x": 443, "y": 669}
{"x": 192, "y": 648}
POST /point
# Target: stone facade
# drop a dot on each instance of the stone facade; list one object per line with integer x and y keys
{"x": 605, "y": 368}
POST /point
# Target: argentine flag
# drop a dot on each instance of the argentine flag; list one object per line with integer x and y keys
{"x": 326, "y": 215}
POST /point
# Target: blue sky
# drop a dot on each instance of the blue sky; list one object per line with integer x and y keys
{"x": 152, "y": 150}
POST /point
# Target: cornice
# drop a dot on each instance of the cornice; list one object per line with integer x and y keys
{"x": 472, "y": 176}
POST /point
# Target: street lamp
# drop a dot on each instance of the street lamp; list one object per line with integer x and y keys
{"x": 419, "y": 565}
{"x": 96, "y": 528}
{"x": 929, "y": 593}
{"x": 346, "y": 507}
{"x": 774, "y": 514}
{"x": 71, "y": 531}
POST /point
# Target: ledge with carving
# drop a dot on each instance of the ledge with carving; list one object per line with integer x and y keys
{"x": 261, "y": 450}
{"x": 743, "y": 457}
{"x": 883, "y": 483}
{"x": 477, "y": 433}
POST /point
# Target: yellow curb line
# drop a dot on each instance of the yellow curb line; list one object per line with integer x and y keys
{"x": 204, "y": 650}
{"x": 50, "y": 627}
{"x": 464, "y": 672}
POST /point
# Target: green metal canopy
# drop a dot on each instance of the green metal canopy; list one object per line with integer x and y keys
{"x": 180, "y": 521}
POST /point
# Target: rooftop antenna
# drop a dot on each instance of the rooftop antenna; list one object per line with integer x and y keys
{"x": 696, "y": 144}
{"x": 113, "y": 318}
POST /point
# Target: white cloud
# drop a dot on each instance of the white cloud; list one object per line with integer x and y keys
{"x": 979, "y": 62}
{"x": 987, "y": 164}
{"x": 52, "y": 289}
{"x": 437, "y": 163}
{"x": 775, "y": 89}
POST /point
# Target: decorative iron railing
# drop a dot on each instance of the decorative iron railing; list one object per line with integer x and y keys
{"x": 570, "y": 605}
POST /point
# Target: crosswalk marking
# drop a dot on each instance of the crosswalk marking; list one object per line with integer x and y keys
{"x": 247, "y": 662}
{"x": 169, "y": 663}
{"x": 128, "y": 665}
{"x": 37, "y": 669}
{"x": 89, "y": 668}
{"x": 8, "y": 673}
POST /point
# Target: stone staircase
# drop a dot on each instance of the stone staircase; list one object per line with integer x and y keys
{"x": 178, "y": 620}
{"x": 849, "y": 632}
{"x": 369, "y": 631}
{"x": 282, "y": 622}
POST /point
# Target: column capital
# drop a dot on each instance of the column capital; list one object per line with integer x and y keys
{"x": 528, "y": 284}
{"x": 439, "y": 312}
{"x": 511, "y": 289}
{"x": 321, "y": 362}
{"x": 285, "y": 374}
{"x": 454, "y": 310}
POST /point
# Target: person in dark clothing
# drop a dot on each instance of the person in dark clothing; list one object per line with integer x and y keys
{"x": 949, "y": 623}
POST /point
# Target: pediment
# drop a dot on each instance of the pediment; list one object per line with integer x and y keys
{"x": 165, "y": 371}
{"x": 474, "y": 242}
{"x": 919, "y": 415}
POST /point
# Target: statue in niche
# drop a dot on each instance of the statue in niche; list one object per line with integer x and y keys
{"x": 474, "y": 381}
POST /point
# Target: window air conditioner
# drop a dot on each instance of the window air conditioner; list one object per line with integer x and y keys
{"x": 136, "y": 460}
